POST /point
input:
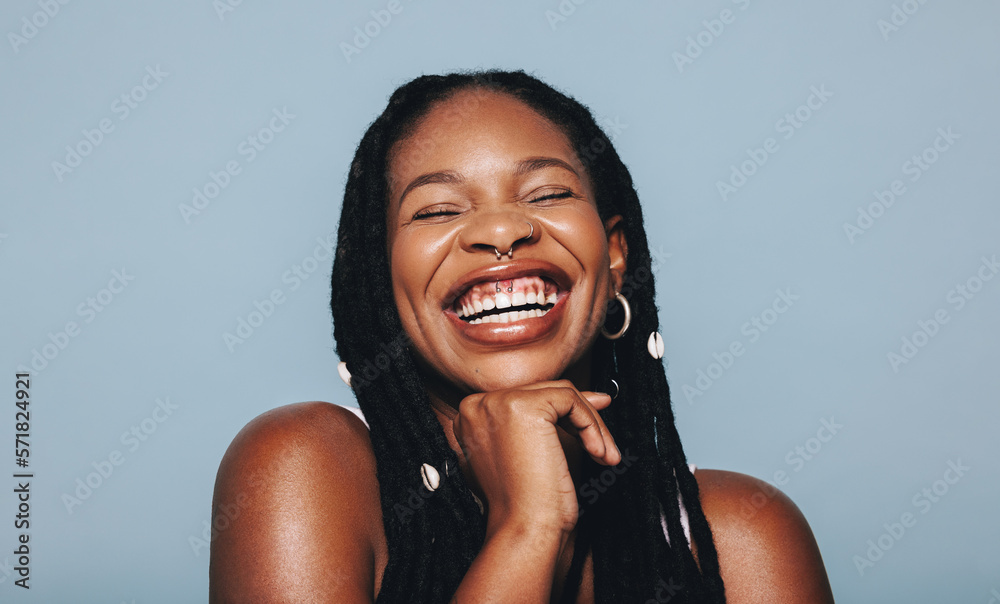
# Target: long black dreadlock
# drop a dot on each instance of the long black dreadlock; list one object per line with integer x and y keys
{"x": 433, "y": 538}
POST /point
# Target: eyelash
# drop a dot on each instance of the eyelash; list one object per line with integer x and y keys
{"x": 560, "y": 195}
{"x": 432, "y": 213}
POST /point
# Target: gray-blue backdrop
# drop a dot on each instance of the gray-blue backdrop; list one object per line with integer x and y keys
{"x": 820, "y": 186}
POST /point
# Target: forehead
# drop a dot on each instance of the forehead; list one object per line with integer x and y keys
{"x": 474, "y": 122}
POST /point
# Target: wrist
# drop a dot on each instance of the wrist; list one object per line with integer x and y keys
{"x": 542, "y": 536}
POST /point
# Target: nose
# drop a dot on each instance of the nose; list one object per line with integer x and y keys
{"x": 497, "y": 233}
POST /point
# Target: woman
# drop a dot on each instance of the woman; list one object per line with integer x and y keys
{"x": 493, "y": 303}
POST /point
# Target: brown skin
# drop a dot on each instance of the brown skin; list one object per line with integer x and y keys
{"x": 308, "y": 525}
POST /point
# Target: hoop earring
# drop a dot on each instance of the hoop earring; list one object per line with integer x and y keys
{"x": 628, "y": 319}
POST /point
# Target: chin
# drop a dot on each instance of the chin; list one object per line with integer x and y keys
{"x": 517, "y": 369}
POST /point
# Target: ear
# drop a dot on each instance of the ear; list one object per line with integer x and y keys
{"x": 617, "y": 251}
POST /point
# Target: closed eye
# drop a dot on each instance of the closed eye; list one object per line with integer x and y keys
{"x": 438, "y": 210}
{"x": 433, "y": 213}
{"x": 560, "y": 195}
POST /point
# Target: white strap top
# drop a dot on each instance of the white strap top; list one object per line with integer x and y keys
{"x": 663, "y": 518}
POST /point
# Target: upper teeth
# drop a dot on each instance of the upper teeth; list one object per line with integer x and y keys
{"x": 501, "y": 300}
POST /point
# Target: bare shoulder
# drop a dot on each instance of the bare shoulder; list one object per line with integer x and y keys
{"x": 296, "y": 514}
{"x": 767, "y": 552}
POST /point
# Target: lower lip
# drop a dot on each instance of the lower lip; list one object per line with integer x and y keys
{"x": 518, "y": 332}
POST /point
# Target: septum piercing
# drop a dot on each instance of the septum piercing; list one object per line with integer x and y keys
{"x": 510, "y": 252}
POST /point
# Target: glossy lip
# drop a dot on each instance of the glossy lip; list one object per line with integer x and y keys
{"x": 519, "y": 332}
{"x": 531, "y": 267}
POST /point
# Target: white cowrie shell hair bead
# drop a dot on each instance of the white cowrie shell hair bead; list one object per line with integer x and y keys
{"x": 344, "y": 373}
{"x": 655, "y": 345}
{"x": 432, "y": 480}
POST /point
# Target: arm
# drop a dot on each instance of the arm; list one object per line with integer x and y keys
{"x": 515, "y": 458}
{"x": 767, "y": 552}
{"x": 297, "y": 504}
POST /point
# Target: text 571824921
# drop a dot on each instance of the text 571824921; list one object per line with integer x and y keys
{"x": 22, "y": 478}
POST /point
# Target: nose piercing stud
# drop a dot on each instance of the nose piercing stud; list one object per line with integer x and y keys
{"x": 510, "y": 252}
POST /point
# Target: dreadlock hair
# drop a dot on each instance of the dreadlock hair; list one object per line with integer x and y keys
{"x": 433, "y": 537}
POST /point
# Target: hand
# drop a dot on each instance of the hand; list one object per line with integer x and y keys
{"x": 514, "y": 457}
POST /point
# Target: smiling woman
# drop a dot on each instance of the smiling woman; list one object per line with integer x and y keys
{"x": 489, "y": 219}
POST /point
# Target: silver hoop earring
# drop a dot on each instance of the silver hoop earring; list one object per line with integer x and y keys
{"x": 625, "y": 323}
{"x": 510, "y": 252}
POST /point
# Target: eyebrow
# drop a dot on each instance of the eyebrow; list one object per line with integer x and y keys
{"x": 432, "y": 178}
{"x": 524, "y": 167}
{"x": 540, "y": 163}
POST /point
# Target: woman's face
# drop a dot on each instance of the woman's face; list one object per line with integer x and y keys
{"x": 477, "y": 171}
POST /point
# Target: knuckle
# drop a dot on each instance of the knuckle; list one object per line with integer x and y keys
{"x": 469, "y": 405}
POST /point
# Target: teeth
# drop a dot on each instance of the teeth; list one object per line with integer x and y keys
{"x": 502, "y": 300}
{"x": 511, "y": 316}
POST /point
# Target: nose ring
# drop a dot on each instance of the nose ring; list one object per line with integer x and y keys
{"x": 510, "y": 252}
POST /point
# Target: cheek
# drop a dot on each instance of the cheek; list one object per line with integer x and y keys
{"x": 413, "y": 260}
{"x": 404, "y": 266}
{"x": 583, "y": 234}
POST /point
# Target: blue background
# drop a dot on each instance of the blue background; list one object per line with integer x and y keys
{"x": 682, "y": 113}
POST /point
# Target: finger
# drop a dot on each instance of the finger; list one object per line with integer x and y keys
{"x": 601, "y": 401}
{"x": 593, "y": 433}
{"x": 598, "y": 400}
